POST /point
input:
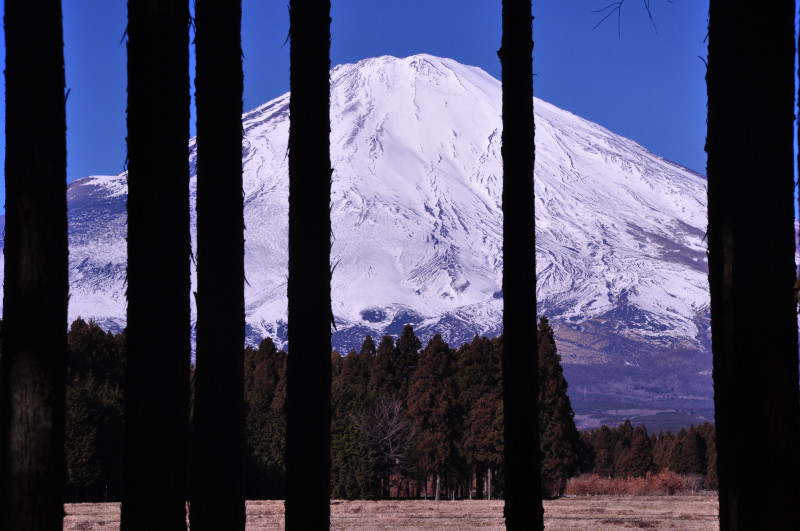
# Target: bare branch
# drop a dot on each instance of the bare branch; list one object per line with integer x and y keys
{"x": 616, "y": 7}
{"x": 388, "y": 432}
{"x": 650, "y": 14}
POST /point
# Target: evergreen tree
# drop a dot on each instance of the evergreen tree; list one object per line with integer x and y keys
{"x": 394, "y": 366}
{"x": 308, "y": 413}
{"x": 675, "y": 461}
{"x": 586, "y": 452}
{"x": 264, "y": 370}
{"x": 639, "y": 460}
{"x": 82, "y": 463}
{"x": 522, "y": 466}
{"x": 482, "y": 439}
{"x": 707, "y": 431}
{"x": 662, "y": 449}
{"x": 712, "y": 478}
{"x": 356, "y": 372}
{"x": 158, "y": 319}
{"x": 94, "y": 413}
{"x": 622, "y": 446}
{"x": 653, "y": 441}
{"x": 751, "y": 260}
{"x": 110, "y": 440}
{"x": 368, "y": 347}
{"x": 693, "y": 453}
{"x": 382, "y": 372}
{"x": 91, "y": 349}
{"x": 364, "y": 481}
{"x": 406, "y": 357}
{"x": 340, "y": 443}
{"x": 433, "y": 408}
{"x": 217, "y": 490}
{"x": 479, "y": 381}
{"x": 603, "y": 442}
{"x": 265, "y": 384}
{"x": 479, "y": 367}
{"x": 558, "y": 436}
{"x": 354, "y": 475}
{"x": 32, "y": 394}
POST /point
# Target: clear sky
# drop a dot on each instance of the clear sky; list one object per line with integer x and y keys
{"x": 640, "y": 81}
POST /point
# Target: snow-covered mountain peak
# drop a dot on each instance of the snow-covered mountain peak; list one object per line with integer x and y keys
{"x": 417, "y": 221}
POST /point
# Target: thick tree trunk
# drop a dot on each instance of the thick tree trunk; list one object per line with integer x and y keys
{"x": 159, "y": 248}
{"x": 523, "y": 506}
{"x": 437, "y": 491}
{"x": 35, "y": 289}
{"x": 751, "y": 262}
{"x": 308, "y": 413}
{"x": 217, "y": 491}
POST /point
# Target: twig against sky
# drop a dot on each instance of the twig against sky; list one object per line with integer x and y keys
{"x": 616, "y": 7}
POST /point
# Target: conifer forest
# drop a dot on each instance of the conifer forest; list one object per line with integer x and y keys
{"x": 406, "y": 422}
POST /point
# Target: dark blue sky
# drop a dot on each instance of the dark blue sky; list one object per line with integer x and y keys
{"x": 642, "y": 82}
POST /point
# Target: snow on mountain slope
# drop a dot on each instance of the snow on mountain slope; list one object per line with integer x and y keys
{"x": 417, "y": 222}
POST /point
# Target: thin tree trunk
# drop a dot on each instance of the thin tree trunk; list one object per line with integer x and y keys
{"x": 159, "y": 248}
{"x": 309, "y": 367}
{"x": 472, "y": 478}
{"x": 751, "y": 262}
{"x": 489, "y": 484}
{"x": 523, "y": 506}
{"x": 34, "y": 342}
{"x": 437, "y": 492}
{"x": 218, "y": 440}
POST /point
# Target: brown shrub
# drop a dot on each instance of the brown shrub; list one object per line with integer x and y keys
{"x": 665, "y": 482}
{"x": 669, "y": 482}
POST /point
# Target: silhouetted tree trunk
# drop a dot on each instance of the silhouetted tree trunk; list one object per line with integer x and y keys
{"x": 34, "y": 340}
{"x": 751, "y": 262}
{"x": 218, "y": 440}
{"x": 159, "y": 248}
{"x": 309, "y": 367}
{"x": 523, "y": 507}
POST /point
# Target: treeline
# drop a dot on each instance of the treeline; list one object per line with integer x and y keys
{"x": 409, "y": 421}
{"x": 94, "y": 413}
{"x": 628, "y": 452}
{"x": 406, "y": 422}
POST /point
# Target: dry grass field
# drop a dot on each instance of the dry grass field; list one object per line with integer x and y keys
{"x": 582, "y": 512}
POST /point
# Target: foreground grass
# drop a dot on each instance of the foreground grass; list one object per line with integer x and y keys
{"x": 580, "y": 512}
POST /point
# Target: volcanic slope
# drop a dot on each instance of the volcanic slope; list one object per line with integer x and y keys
{"x": 417, "y": 232}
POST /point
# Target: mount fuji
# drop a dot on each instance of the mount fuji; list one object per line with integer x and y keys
{"x": 417, "y": 235}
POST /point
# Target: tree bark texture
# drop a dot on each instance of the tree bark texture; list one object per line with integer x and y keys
{"x": 523, "y": 506}
{"x": 159, "y": 249}
{"x": 308, "y": 413}
{"x": 35, "y": 290}
{"x": 751, "y": 251}
{"x": 217, "y": 491}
